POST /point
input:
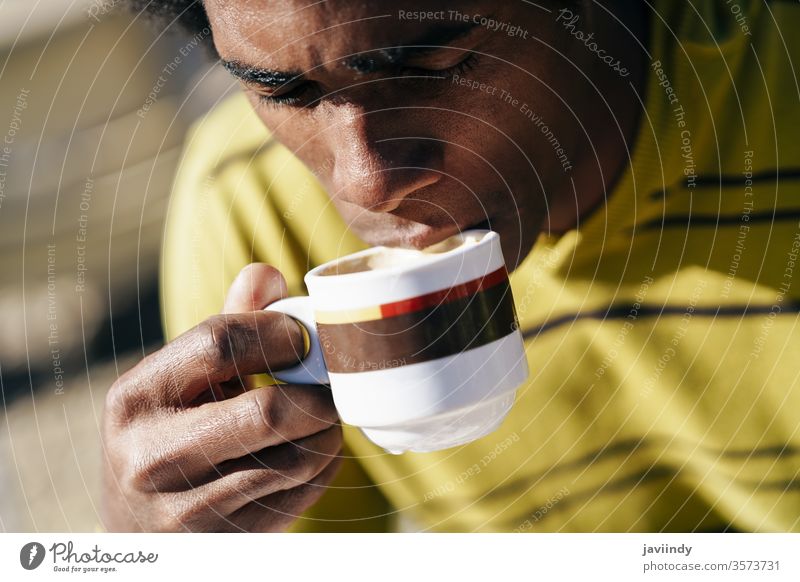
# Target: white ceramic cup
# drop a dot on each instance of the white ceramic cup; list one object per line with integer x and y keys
{"x": 422, "y": 350}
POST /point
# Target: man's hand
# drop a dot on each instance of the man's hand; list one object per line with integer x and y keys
{"x": 187, "y": 448}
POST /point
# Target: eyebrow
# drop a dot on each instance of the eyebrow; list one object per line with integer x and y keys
{"x": 364, "y": 63}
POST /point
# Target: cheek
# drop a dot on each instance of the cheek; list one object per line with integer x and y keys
{"x": 489, "y": 147}
{"x": 489, "y": 120}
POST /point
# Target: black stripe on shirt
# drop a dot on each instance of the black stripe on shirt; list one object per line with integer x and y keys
{"x": 622, "y": 311}
{"x": 634, "y": 480}
{"x": 628, "y": 447}
{"x": 719, "y": 220}
{"x": 724, "y": 181}
{"x": 517, "y": 487}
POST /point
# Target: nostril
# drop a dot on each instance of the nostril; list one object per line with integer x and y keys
{"x": 385, "y": 205}
{"x": 400, "y": 184}
{"x": 378, "y": 174}
{"x": 384, "y": 190}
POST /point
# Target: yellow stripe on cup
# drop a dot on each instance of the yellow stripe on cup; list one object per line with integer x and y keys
{"x": 349, "y": 315}
{"x": 414, "y": 304}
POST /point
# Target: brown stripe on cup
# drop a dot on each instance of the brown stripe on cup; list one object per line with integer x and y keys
{"x": 428, "y": 334}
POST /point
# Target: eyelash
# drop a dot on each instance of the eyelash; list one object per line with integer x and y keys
{"x": 290, "y": 98}
{"x": 461, "y": 67}
{"x": 295, "y": 95}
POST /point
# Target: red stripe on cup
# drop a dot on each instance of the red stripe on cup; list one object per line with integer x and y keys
{"x": 444, "y": 295}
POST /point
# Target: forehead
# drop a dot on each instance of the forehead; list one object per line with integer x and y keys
{"x": 305, "y": 34}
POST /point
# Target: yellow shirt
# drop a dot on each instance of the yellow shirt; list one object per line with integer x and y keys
{"x": 662, "y": 333}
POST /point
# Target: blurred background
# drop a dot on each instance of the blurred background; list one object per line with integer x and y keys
{"x": 94, "y": 105}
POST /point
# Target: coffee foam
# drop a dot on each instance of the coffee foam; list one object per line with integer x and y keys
{"x": 390, "y": 257}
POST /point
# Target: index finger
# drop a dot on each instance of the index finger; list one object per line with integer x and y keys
{"x": 217, "y": 350}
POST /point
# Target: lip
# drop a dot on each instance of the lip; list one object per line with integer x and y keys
{"x": 438, "y": 257}
{"x": 430, "y": 237}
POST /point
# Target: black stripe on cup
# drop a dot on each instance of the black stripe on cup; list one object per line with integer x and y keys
{"x": 421, "y": 336}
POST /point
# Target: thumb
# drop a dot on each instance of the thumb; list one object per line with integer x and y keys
{"x": 256, "y": 286}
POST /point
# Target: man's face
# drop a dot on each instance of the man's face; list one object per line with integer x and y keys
{"x": 418, "y": 126}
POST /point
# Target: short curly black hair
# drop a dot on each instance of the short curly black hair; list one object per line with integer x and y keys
{"x": 186, "y": 16}
{"x": 189, "y": 16}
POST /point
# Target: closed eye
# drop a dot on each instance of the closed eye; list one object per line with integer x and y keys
{"x": 466, "y": 64}
{"x": 292, "y": 97}
{"x": 300, "y": 94}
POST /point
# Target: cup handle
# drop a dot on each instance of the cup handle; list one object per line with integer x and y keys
{"x": 312, "y": 369}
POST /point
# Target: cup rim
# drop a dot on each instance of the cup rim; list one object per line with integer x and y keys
{"x": 487, "y": 236}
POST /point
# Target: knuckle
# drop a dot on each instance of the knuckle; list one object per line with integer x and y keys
{"x": 295, "y": 462}
{"x": 134, "y": 393}
{"x": 323, "y": 453}
{"x": 317, "y": 407}
{"x": 122, "y": 402}
{"x": 306, "y": 461}
{"x": 265, "y": 413}
{"x": 255, "y": 482}
{"x": 337, "y": 437}
{"x": 116, "y": 402}
{"x": 144, "y": 472}
{"x": 309, "y": 470}
{"x": 187, "y": 515}
{"x": 215, "y": 337}
{"x": 268, "y": 272}
{"x": 321, "y": 480}
{"x": 331, "y": 440}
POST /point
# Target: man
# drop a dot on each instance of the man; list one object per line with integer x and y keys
{"x": 640, "y": 163}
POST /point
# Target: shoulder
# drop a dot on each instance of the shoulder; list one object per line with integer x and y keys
{"x": 229, "y": 131}
{"x": 219, "y": 179}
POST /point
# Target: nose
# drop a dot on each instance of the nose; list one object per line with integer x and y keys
{"x": 377, "y": 167}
